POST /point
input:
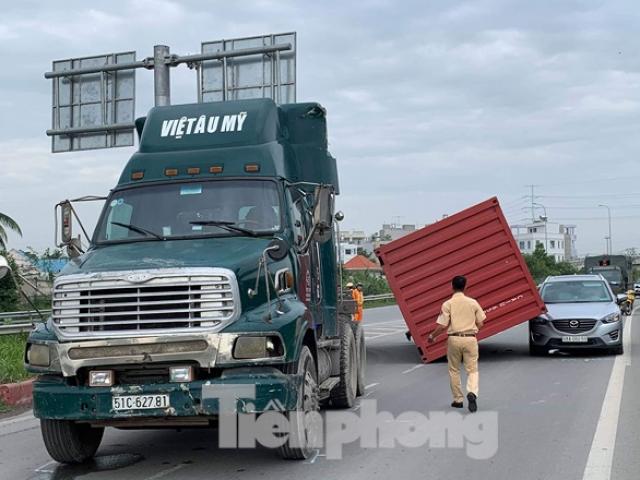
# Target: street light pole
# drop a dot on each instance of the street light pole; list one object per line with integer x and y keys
{"x": 609, "y": 240}
{"x": 546, "y": 218}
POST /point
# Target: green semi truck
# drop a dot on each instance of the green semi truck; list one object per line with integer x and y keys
{"x": 616, "y": 269}
{"x": 212, "y": 268}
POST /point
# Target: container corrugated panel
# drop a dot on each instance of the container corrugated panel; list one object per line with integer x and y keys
{"x": 477, "y": 243}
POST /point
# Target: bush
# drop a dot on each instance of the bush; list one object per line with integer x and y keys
{"x": 12, "y": 358}
{"x": 9, "y": 297}
{"x": 372, "y": 284}
{"x": 542, "y": 265}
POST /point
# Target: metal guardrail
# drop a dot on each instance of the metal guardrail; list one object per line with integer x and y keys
{"x": 18, "y": 322}
{"x": 382, "y": 296}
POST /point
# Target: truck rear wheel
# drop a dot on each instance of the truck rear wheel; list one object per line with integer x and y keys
{"x": 302, "y": 428}
{"x": 362, "y": 358}
{"x": 343, "y": 395}
{"x": 70, "y": 442}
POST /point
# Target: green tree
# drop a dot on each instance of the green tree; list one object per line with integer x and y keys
{"x": 45, "y": 260}
{"x": 372, "y": 284}
{"x": 542, "y": 265}
{"x": 365, "y": 253}
{"x": 9, "y": 297}
{"x": 7, "y": 223}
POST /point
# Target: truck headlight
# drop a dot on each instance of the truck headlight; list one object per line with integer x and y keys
{"x": 611, "y": 318}
{"x": 180, "y": 374}
{"x": 101, "y": 378}
{"x": 38, "y": 355}
{"x": 249, "y": 347}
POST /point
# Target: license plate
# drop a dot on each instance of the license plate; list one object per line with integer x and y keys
{"x": 140, "y": 402}
{"x": 575, "y": 339}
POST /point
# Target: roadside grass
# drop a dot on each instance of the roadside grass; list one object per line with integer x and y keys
{"x": 4, "y": 408}
{"x": 12, "y": 358}
{"x": 379, "y": 303}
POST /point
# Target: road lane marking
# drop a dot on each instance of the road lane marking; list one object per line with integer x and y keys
{"x": 600, "y": 460}
{"x": 371, "y": 385}
{"x": 415, "y": 367}
{"x": 374, "y": 336}
{"x": 314, "y": 457}
{"x": 20, "y": 418}
{"x": 166, "y": 472}
{"x": 41, "y": 469}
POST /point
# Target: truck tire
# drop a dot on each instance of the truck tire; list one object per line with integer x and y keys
{"x": 302, "y": 431}
{"x": 343, "y": 395}
{"x": 70, "y": 442}
{"x": 362, "y": 359}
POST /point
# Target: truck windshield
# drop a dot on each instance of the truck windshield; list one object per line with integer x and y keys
{"x": 192, "y": 209}
{"x": 576, "y": 292}
{"x": 611, "y": 275}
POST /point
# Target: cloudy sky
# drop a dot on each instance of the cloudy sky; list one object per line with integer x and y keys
{"x": 432, "y": 106}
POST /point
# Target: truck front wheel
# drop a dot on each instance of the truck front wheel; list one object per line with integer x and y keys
{"x": 362, "y": 358}
{"x": 343, "y": 395}
{"x": 302, "y": 421}
{"x": 70, "y": 442}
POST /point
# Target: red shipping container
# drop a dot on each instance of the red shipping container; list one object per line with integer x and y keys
{"x": 476, "y": 243}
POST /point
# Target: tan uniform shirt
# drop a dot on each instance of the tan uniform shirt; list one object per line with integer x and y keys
{"x": 460, "y": 314}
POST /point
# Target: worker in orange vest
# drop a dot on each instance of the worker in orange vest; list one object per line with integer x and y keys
{"x": 355, "y": 295}
{"x": 359, "y": 298}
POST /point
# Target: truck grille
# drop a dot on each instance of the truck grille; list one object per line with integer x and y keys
{"x": 149, "y": 302}
{"x": 574, "y": 326}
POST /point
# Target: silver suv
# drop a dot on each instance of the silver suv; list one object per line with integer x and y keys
{"x": 582, "y": 312}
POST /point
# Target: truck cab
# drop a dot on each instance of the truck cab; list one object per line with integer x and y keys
{"x": 212, "y": 269}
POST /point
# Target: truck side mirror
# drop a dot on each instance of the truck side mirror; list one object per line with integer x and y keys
{"x": 323, "y": 213}
{"x": 66, "y": 221}
{"x": 73, "y": 245}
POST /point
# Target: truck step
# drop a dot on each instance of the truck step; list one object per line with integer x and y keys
{"x": 326, "y": 387}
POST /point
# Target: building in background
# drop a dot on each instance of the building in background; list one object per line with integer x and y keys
{"x": 360, "y": 263}
{"x": 348, "y": 251}
{"x": 390, "y": 232}
{"x": 558, "y": 240}
{"x": 356, "y": 237}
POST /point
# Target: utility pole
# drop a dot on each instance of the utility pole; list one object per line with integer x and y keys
{"x": 533, "y": 200}
{"x": 609, "y": 240}
{"x": 545, "y": 219}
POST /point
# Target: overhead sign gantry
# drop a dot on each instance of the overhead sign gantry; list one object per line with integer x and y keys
{"x": 94, "y": 97}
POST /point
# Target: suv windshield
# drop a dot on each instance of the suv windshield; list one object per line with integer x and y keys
{"x": 191, "y": 209}
{"x": 576, "y": 292}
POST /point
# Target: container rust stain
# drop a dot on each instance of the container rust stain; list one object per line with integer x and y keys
{"x": 477, "y": 243}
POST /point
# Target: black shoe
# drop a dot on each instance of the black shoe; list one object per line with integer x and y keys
{"x": 473, "y": 405}
{"x": 457, "y": 404}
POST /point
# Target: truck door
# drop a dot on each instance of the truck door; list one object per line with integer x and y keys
{"x": 310, "y": 272}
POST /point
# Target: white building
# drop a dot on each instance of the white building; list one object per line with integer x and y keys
{"x": 348, "y": 251}
{"x": 357, "y": 237}
{"x": 558, "y": 240}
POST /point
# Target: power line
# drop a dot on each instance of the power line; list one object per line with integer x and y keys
{"x": 557, "y": 207}
{"x": 592, "y": 180}
{"x": 592, "y": 196}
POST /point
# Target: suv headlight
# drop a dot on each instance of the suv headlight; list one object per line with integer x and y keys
{"x": 611, "y": 318}
{"x": 540, "y": 320}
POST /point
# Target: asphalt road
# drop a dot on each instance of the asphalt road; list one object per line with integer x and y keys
{"x": 548, "y": 418}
